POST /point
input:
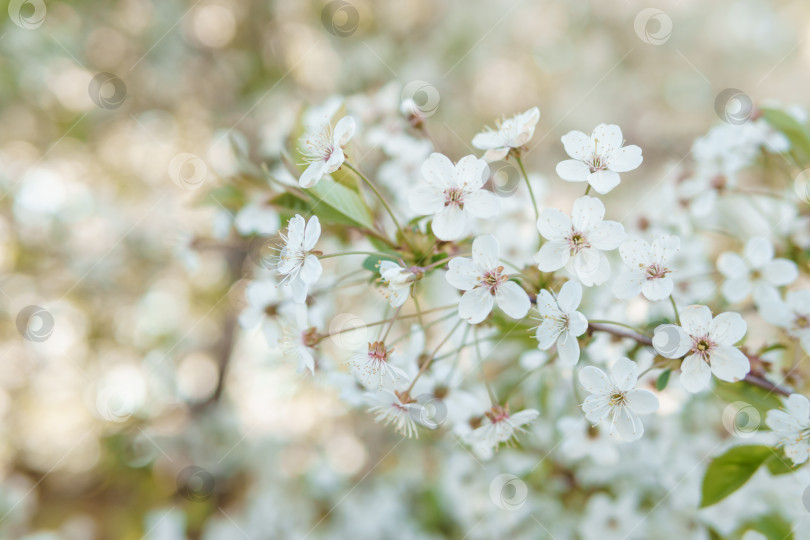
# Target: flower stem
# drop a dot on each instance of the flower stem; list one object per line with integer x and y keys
{"x": 408, "y": 316}
{"x": 633, "y": 328}
{"x": 528, "y": 185}
{"x": 372, "y": 253}
{"x": 675, "y": 308}
{"x": 588, "y": 189}
{"x": 492, "y": 398}
{"x": 393, "y": 320}
{"x": 430, "y": 358}
{"x": 377, "y": 193}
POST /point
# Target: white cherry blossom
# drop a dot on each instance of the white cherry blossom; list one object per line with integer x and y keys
{"x": 298, "y": 337}
{"x": 649, "y": 270}
{"x": 560, "y": 322}
{"x": 453, "y": 194}
{"x": 397, "y": 281}
{"x": 577, "y": 243}
{"x": 708, "y": 344}
{"x": 324, "y": 150}
{"x": 485, "y": 283}
{"x": 392, "y": 408}
{"x": 373, "y": 369}
{"x": 755, "y": 271}
{"x": 792, "y": 314}
{"x": 617, "y": 396}
{"x": 792, "y": 426}
{"x": 296, "y": 261}
{"x": 598, "y": 158}
{"x": 510, "y": 133}
{"x": 499, "y": 426}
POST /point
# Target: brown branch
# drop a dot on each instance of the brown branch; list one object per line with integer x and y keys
{"x": 750, "y": 378}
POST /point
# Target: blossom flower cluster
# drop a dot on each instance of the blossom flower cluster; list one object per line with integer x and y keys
{"x": 459, "y": 294}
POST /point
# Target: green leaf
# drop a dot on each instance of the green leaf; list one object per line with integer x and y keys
{"x": 729, "y": 472}
{"x": 773, "y": 526}
{"x": 228, "y": 196}
{"x": 663, "y": 379}
{"x": 792, "y": 129}
{"x": 779, "y": 463}
{"x": 342, "y": 199}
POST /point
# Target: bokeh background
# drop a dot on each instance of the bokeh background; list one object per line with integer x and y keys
{"x": 136, "y": 371}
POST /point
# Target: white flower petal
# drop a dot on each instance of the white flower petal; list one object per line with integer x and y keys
{"x": 344, "y": 130}
{"x": 695, "y": 374}
{"x": 462, "y": 273}
{"x": 627, "y": 424}
{"x": 577, "y": 145}
{"x": 625, "y": 159}
{"x": 482, "y": 204}
{"x": 657, "y": 289}
{"x": 489, "y": 140}
{"x": 475, "y": 305}
{"x": 546, "y": 334}
{"x": 729, "y": 364}
{"x": 471, "y": 172}
{"x": 737, "y": 290}
{"x": 573, "y": 170}
{"x": 607, "y": 235}
{"x": 295, "y": 231}
{"x": 665, "y": 247}
{"x": 642, "y": 401}
{"x": 591, "y": 267}
{"x": 450, "y": 224}
{"x": 311, "y": 270}
{"x": 696, "y": 320}
{"x": 758, "y": 251}
{"x": 485, "y": 252}
{"x": 607, "y": 138}
{"x": 312, "y": 233}
{"x": 594, "y": 380}
{"x": 577, "y": 323}
{"x": 731, "y": 265}
{"x": 727, "y": 328}
{"x": 587, "y": 212}
{"x": 570, "y": 296}
{"x": 596, "y": 407}
{"x": 553, "y": 224}
{"x": 624, "y": 374}
{"x": 312, "y": 174}
{"x": 628, "y": 284}
{"x": 636, "y": 252}
{"x": 604, "y": 181}
{"x": 438, "y": 171}
{"x": 513, "y": 300}
{"x": 780, "y": 272}
{"x": 671, "y": 341}
{"x": 426, "y": 200}
{"x": 552, "y": 256}
{"x": 568, "y": 349}
{"x": 798, "y": 407}
{"x": 299, "y": 290}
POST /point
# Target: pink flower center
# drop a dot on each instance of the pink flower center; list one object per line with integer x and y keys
{"x": 702, "y": 346}
{"x": 497, "y": 414}
{"x": 802, "y": 321}
{"x": 493, "y": 279}
{"x": 577, "y": 242}
{"x": 656, "y": 271}
{"x": 454, "y": 196}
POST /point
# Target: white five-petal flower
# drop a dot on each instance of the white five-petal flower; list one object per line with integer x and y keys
{"x": 648, "y": 273}
{"x": 485, "y": 283}
{"x": 756, "y": 271}
{"x": 560, "y": 322}
{"x": 324, "y": 151}
{"x": 599, "y": 158}
{"x": 792, "y": 426}
{"x": 499, "y": 426}
{"x": 296, "y": 262}
{"x": 792, "y": 314}
{"x": 708, "y": 344}
{"x": 397, "y": 281}
{"x": 618, "y": 397}
{"x": 510, "y": 133}
{"x": 373, "y": 369}
{"x": 453, "y": 194}
{"x": 577, "y": 242}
